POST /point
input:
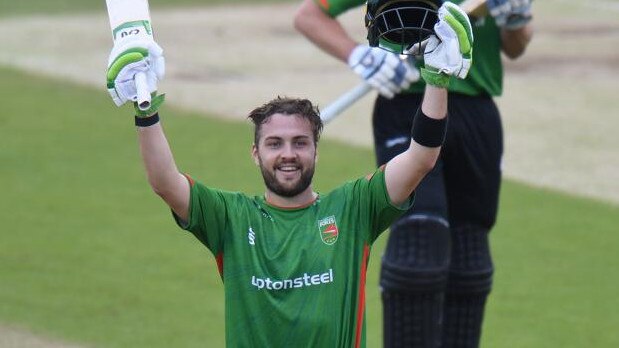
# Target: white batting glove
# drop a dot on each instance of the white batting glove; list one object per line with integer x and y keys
{"x": 134, "y": 52}
{"x": 510, "y": 14}
{"x": 382, "y": 70}
{"x": 450, "y": 52}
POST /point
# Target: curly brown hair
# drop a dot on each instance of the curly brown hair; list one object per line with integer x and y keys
{"x": 287, "y": 106}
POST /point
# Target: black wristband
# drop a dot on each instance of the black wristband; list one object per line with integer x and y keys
{"x": 427, "y": 131}
{"x": 147, "y": 121}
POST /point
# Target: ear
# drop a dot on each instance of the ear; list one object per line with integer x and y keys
{"x": 316, "y": 155}
{"x": 254, "y": 154}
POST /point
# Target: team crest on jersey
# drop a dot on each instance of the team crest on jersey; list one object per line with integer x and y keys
{"x": 328, "y": 230}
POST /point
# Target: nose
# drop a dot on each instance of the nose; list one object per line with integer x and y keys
{"x": 288, "y": 151}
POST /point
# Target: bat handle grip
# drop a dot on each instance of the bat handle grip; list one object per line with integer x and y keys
{"x": 141, "y": 86}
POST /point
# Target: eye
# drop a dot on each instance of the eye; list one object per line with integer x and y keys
{"x": 273, "y": 144}
{"x": 301, "y": 143}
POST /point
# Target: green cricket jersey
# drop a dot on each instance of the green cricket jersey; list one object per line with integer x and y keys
{"x": 486, "y": 74}
{"x": 294, "y": 277}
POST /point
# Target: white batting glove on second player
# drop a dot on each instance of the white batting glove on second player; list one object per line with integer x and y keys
{"x": 510, "y": 14}
{"x": 134, "y": 52}
{"x": 383, "y": 70}
{"x": 450, "y": 52}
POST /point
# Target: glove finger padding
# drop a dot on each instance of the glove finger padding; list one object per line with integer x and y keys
{"x": 382, "y": 70}
{"x": 401, "y": 73}
{"x": 128, "y": 58}
{"x": 156, "y": 60}
{"x": 450, "y": 52}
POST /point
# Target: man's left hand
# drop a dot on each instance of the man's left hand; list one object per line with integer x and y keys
{"x": 450, "y": 51}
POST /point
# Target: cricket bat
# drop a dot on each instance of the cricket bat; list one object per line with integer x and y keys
{"x": 123, "y": 13}
{"x": 474, "y": 8}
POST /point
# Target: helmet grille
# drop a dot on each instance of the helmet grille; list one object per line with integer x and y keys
{"x": 402, "y": 25}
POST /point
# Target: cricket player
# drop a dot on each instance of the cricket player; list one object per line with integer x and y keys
{"x": 293, "y": 261}
{"x": 437, "y": 269}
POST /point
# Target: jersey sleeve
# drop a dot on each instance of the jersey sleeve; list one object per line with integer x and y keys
{"x": 334, "y": 8}
{"x": 372, "y": 195}
{"x": 208, "y": 216}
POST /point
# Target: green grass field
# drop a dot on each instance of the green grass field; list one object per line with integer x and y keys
{"x": 89, "y": 255}
{"x": 85, "y": 241}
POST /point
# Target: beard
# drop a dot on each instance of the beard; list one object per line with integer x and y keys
{"x": 279, "y": 188}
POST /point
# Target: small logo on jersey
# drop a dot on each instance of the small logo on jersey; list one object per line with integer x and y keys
{"x": 328, "y": 230}
{"x": 251, "y": 236}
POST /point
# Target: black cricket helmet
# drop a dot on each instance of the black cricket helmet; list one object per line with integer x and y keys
{"x": 397, "y": 25}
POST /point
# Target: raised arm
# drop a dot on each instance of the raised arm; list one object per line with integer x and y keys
{"x": 404, "y": 172}
{"x": 447, "y": 54}
{"x": 163, "y": 175}
{"x": 134, "y": 54}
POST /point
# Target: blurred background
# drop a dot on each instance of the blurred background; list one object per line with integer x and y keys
{"x": 89, "y": 257}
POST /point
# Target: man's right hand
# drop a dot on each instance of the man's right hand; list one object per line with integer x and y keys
{"x": 135, "y": 52}
{"x": 382, "y": 70}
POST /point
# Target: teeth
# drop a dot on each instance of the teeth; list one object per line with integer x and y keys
{"x": 287, "y": 168}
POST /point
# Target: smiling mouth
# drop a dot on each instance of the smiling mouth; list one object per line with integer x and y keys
{"x": 288, "y": 168}
{"x": 288, "y": 171}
